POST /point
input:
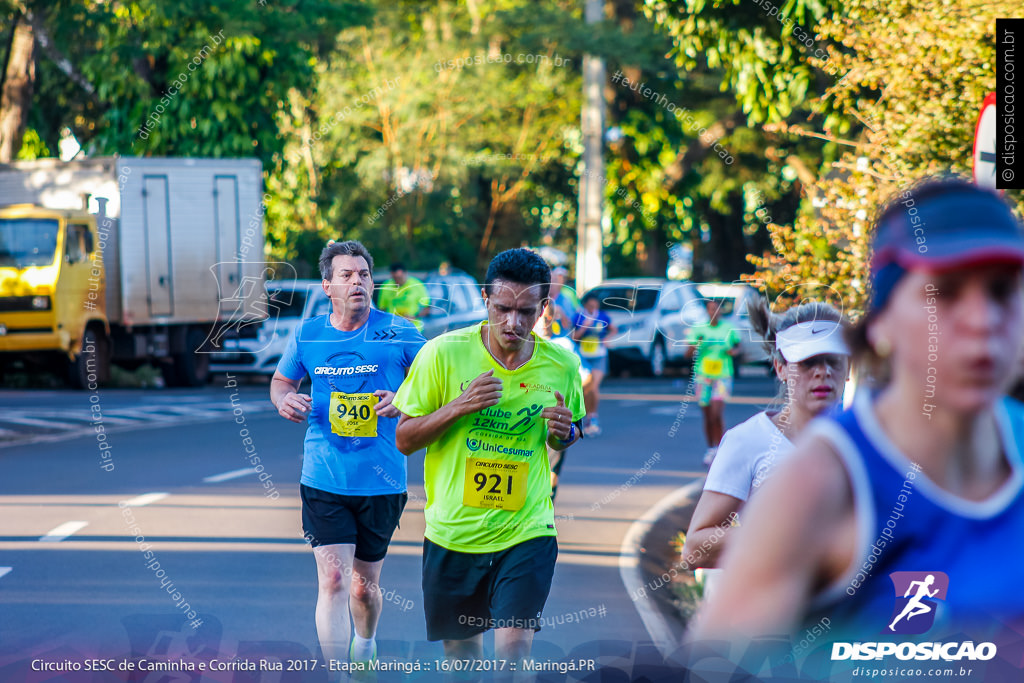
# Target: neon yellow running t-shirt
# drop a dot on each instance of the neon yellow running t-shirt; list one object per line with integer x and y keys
{"x": 713, "y": 359}
{"x": 488, "y": 480}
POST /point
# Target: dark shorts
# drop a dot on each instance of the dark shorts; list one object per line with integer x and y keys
{"x": 468, "y": 593}
{"x": 365, "y": 521}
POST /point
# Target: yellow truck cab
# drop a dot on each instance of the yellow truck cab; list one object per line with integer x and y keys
{"x": 53, "y": 289}
{"x": 128, "y": 261}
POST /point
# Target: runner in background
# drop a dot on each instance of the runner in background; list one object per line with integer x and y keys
{"x": 353, "y": 484}
{"x": 806, "y": 347}
{"x": 592, "y": 328}
{"x": 715, "y": 344}
{"x": 555, "y": 327}
{"x": 564, "y": 297}
{"x": 924, "y": 473}
{"x": 485, "y": 401}
{"x": 404, "y": 295}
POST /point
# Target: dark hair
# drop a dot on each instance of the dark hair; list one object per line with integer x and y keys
{"x": 767, "y": 324}
{"x": 349, "y": 248}
{"x": 521, "y": 266}
{"x": 397, "y": 265}
{"x": 589, "y": 296}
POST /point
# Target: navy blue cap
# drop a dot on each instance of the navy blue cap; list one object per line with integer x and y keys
{"x": 941, "y": 225}
{"x": 955, "y": 223}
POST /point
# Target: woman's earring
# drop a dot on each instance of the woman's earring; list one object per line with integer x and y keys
{"x": 882, "y": 347}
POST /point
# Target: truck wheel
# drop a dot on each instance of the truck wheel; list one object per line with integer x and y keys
{"x": 191, "y": 369}
{"x": 92, "y": 365}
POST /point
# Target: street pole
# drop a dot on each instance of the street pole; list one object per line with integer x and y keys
{"x": 589, "y": 247}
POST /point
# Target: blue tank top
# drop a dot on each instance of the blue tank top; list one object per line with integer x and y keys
{"x": 906, "y": 523}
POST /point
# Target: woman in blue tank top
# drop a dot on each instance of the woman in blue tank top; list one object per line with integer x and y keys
{"x": 903, "y": 517}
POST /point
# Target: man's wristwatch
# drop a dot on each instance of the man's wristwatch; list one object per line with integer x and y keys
{"x": 572, "y": 434}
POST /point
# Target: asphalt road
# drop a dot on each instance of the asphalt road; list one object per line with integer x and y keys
{"x": 75, "y": 583}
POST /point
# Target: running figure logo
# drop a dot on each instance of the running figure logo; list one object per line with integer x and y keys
{"x": 917, "y": 594}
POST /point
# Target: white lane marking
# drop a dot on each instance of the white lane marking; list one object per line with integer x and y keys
{"x": 32, "y": 422}
{"x": 4, "y": 571}
{"x": 192, "y": 410}
{"x": 673, "y": 410}
{"x": 151, "y": 414}
{"x": 63, "y": 531}
{"x": 145, "y": 499}
{"x": 179, "y": 399}
{"x": 233, "y": 474}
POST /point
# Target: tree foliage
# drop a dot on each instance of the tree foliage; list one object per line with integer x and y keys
{"x": 437, "y": 131}
{"x": 188, "y": 78}
{"x": 916, "y": 75}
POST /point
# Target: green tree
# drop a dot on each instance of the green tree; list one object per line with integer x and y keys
{"x": 917, "y": 73}
{"x": 438, "y": 133}
{"x": 702, "y": 167}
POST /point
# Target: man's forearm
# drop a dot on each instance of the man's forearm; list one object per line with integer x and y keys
{"x": 280, "y": 389}
{"x": 414, "y": 433}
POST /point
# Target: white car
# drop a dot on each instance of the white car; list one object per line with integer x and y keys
{"x": 652, "y": 317}
{"x": 289, "y": 302}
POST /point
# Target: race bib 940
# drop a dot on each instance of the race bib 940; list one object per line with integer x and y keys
{"x": 353, "y": 414}
{"x": 495, "y": 484}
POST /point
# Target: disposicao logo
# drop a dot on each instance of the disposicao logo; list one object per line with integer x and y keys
{"x": 916, "y": 597}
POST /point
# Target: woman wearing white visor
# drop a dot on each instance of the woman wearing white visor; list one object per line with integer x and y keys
{"x": 921, "y": 482}
{"x": 811, "y": 359}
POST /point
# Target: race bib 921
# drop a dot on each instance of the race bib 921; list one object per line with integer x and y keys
{"x": 495, "y": 484}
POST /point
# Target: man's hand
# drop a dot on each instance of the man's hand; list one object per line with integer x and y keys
{"x": 295, "y": 406}
{"x": 482, "y": 392}
{"x": 559, "y": 419}
{"x": 384, "y": 407}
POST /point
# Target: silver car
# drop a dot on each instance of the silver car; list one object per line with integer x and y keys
{"x": 652, "y": 317}
{"x": 289, "y": 302}
{"x": 455, "y": 302}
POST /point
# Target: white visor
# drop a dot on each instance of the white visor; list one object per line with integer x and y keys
{"x": 803, "y": 340}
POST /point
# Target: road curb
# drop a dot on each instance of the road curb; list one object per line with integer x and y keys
{"x": 665, "y": 632}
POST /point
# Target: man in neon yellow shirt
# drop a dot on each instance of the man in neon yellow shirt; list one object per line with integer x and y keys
{"x": 486, "y": 401}
{"x": 404, "y": 295}
{"x": 715, "y": 343}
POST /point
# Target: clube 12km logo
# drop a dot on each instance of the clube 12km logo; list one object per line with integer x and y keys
{"x": 917, "y": 599}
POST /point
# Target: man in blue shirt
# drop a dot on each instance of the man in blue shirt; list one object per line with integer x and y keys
{"x": 353, "y": 483}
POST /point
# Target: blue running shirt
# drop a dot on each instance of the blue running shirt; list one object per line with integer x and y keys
{"x": 906, "y": 523}
{"x": 349, "y": 450}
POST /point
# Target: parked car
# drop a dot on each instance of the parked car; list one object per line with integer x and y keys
{"x": 652, "y": 317}
{"x": 734, "y": 299}
{"x": 288, "y": 303}
{"x": 455, "y": 302}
